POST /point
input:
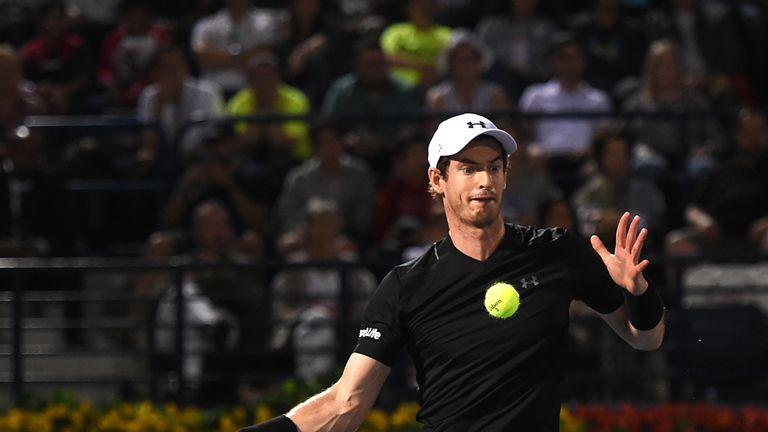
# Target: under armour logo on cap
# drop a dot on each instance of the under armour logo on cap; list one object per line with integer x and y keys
{"x": 453, "y": 134}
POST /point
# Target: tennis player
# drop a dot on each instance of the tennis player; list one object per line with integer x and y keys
{"x": 476, "y": 372}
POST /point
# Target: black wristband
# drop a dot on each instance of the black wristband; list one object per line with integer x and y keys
{"x": 277, "y": 424}
{"x": 645, "y": 310}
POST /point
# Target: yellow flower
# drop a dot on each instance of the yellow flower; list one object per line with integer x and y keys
{"x": 377, "y": 421}
{"x": 569, "y": 423}
{"x": 226, "y": 424}
{"x": 238, "y": 415}
{"x": 191, "y": 418}
{"x": 263, "y": 413}
{"x": 405, "y": 414}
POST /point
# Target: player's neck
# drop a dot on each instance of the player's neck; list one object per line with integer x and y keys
{"x": 477, "y": 243}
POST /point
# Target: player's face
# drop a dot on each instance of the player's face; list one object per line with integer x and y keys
{"x": 476, "y": 179}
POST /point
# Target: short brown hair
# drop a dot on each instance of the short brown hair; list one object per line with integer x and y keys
{"x": 442, "y": 166}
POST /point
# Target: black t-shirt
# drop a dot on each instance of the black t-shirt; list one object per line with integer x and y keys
{"x": 476, "y": 372}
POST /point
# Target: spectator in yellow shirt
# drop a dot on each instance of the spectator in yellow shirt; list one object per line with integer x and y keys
{"x": 268, "y": 94}
{"x": 413, "y": 47}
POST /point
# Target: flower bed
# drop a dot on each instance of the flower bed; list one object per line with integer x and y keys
{"x": 146, "y": 417}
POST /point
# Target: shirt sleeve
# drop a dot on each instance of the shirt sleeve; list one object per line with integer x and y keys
{"x": 241, "y": 104}
{"x": 200, "y": 33}
{"x": 146, "y": 103}
{"x": 295, "y": 102}
{"x": 527, "y": 100}
{"x": 380, "y": 335}
{"x": 390, "y": 39}
{"x": 590, "y": 278}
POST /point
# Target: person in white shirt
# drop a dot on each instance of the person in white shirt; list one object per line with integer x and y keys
{"x": 212, "y": 324}
{"x": 222, "y": 41}
{"x": 567, "y": 140}
{"x": 174, "y": 99}
{"x": 519, "y": 40}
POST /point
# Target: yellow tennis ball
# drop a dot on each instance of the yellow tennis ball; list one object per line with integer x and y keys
{"x": 502, "y": 300}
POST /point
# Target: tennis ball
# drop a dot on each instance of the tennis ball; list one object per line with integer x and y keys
{"x": 502, "y": 300}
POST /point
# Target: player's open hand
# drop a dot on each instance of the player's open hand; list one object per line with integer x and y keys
{"x": 624, "y": 263}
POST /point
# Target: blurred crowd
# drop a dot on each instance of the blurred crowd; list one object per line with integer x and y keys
{"x": 669, "y": 98}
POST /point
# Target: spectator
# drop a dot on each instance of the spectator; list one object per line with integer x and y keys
{"x": 613, "y": 44}
{"x": 151, "y": 284}
{"x": 268, "y": 94}
{"x": 370, "y": 94}
{"x": 222, "y": 41}
{"x": 404, "y": 194}
{"x": 520, "y": 41}
{"x": 57, "y": 60}
{"x": 174, "y": 99}
{"x": 183, "y": 15}
{"x": 36, "y": 220}
{"x": 612, "y": 190}
{"x": 331, "y": 175}
{"x": 566, "y": 141}
{"x": 316, "y": 51}
{"x": 309, "y": 299}
{"x": 18, "y": 97}
{"x": 222, "y": 173}
{"x": 662, "y": 146}
{"x": 93, "y": 19}
{"x": 558, "y": 212}
{"x": 35, "y": 216}
{"x": 413, "y": 47}
{"x": 431, "y": 231}
{"x": 753, "y": 17}
{"x": 127, "y": 51}
{"x": 728, "y": 212}
{"x": 529, "y": 184}
{"x": 706, "y": 33}
{"x": 357, "y": 10}
{"x": 463, "y": 63}
{"x": 214, "y": 326}
{"x": 17, "y": 21}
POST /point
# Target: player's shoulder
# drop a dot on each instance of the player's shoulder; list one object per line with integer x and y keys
{"x": 414, "y": 270}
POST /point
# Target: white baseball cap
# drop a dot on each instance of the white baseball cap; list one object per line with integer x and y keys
{"x": 453, "y": 134}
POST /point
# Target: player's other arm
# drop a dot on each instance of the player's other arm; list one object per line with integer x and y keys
{"x": 640, "y": 320}
{"x": 646, "y": 340}
{"x": 341, "y": 407}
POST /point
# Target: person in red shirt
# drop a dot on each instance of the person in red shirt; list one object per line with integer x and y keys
{"x": 403, "y": 195}
{"x": 124, "y": 65}
{"x": 57, "y": 60}
{"x": 18, "y": 97}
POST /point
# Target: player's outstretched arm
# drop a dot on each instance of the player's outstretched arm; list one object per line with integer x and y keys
{"x": 640, "y": 321}
{"x": 342, "y": 407}
{"x": 646, "y": 340}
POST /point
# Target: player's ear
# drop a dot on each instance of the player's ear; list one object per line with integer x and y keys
{"x": 435, "y": 176}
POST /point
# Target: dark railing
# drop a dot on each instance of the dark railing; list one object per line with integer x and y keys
{"x": 20, "y": 297}
{"x": 678, "y": 372}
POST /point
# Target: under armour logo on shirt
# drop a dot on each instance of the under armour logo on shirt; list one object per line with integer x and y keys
{"x": 471, "y": 125}
{"x": 528, "y": 283}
